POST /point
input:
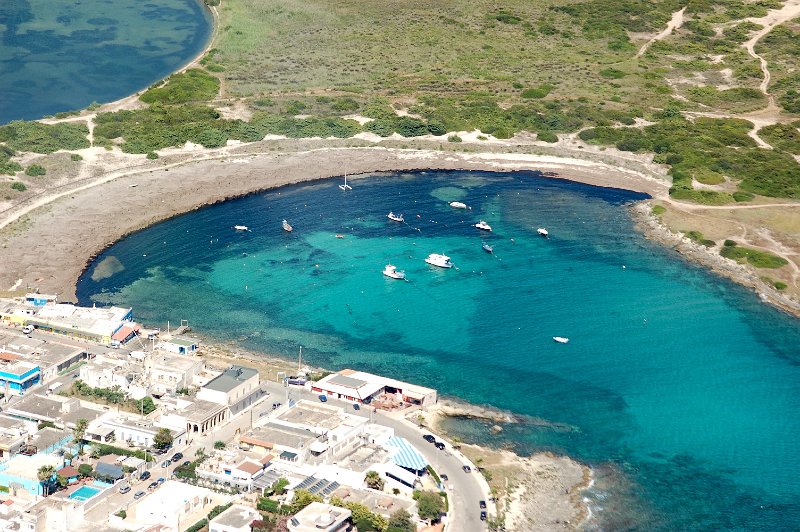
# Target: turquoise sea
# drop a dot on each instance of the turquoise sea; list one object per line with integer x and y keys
{"x": 679, "y": 387}
{"x": 59, "y": 55}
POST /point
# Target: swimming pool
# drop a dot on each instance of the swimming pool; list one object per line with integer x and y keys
{"x": 84, "y": 493}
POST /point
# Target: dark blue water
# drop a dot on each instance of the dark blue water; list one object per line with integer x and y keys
{"x": 59, "y": 55}
{"x": 680, "y": 387}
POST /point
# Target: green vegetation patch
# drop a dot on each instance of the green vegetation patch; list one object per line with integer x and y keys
{"x": 785, "y": 137}
{"x": 44, "y": 138}
{"x": 35, "y": 170}
{"x": 737, "y": 99}
{"x": 194, "y": 85}
{"x": 18, "y": 186}
{"x": 658, "y": 210}
{"x": 759, "y": 259}
{"x": 697, "y": 236}
{"x": 537, "y": 92}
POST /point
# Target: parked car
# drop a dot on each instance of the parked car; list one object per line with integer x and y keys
{"x": 323, "y": 398}
{"x": 482, "y": 504}
{"x": 153, "y": 485}
{"x": 124, "y": 489}
{"x": 439, "y": 445}
{"x": 356, "y": 406}
{"x": 483, "y": 516}
{"x": 444, "y": 477}
{"x": 161, "y": 480}
{"x": 186, "y": 463}
{"x": 466, "y": 469}
{"x": 176, "y": 457}
{"x": 145, "y": 475}
{"x": 139, "y": 494}
{"x": 27, "y": 329}
{"x": 428, "y": 438}
{"x": 166, "y": 463}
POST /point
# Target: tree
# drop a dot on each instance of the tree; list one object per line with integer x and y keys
{"x": 374, "y": 480}
{"x": 401, "y": 521}
{"x": 364, "y": 519}
{"x": 279, "y": 487}
{"x": 302, "y": 498}
{"x": 62, "y": 481}
{"x": 163, "y": 439}
{"x": 219, "y": 444}
{"x": 145, "y": 405}
{"x": 44, "y": 474}
{"x": 79, "y": 433}
{"x": 430, "y": 504}
{"x": 85, "y": 470}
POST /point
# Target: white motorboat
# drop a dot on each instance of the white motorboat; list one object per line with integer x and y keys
{"x": 391, "y": 271}
{"x": 483, "y": 226}
{"x": 286, "y": 227}
{"x": 345, "y": 186}
{"x": 442, "y": 261}
{"x": 560, "y": 339}
{"x": 487, "y": 248}
{"x": 241, "y": 227}
{"x": 458, "y": 205}
{"x": 395, "y": 217}
{"x": 543, "y": 232}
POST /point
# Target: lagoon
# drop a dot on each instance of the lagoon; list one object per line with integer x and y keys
{"x": 679, "y": 387}
{"x": 61, "y": 56}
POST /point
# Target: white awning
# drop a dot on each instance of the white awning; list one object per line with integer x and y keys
{"x": 318, "y": 446}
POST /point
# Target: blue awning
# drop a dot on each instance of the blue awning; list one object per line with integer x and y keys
{"x": 407, "y": 456}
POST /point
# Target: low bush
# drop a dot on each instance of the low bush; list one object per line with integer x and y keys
{"x": 35, "y": 170}
{"x": 454, "y": 138}
{"x": 743, "y": 196}
{"x": 547, "y": 136}
{"x": 18, "y": 186}
{"x": 658, "y": 210}
{"x": 44, "y": 138}
{"x": 537, "y": 92}
{"x": 759, "y": 259}
{"x": 75, "y": 157}
{"x": 780, "y": 285}
{"x": 194, "y": 85}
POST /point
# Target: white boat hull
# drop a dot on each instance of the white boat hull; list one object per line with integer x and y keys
{"x": 560, "y": 339}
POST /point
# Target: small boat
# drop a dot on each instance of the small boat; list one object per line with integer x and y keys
{"x": 487, "y": 248}
{"x": 483, "y": 226}
{"x": 286, "y": 227}
{"x": 560, "y": 339}
{"x": 442, "y": 261}
{"x": 345, "y": 186}
{"x": 241, "y": 227}
{"x": 543, "y": 232}
{"x": 458, "y": 205}
{"x": 395, "y": 217}
{"x": 339, "y": 236}
{"x": 391, "y": 271}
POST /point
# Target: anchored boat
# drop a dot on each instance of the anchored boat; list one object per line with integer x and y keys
{"x": 442, "y": 261}
{"x": 395, "y": 217}
{"x": 458, "y": 205}
{"x": 391, "y": 271}
{"x": 483, "y": 226}
{"x": 560, "y": 339}
{"x": 543, "y": 232}
{"x": 286, "y": 227}
{"x": 241, "y": 227}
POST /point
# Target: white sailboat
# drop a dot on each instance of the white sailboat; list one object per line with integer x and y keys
{"x": 345, "y": 186}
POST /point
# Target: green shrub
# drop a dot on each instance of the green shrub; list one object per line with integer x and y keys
{"x": 729, "y": 243}
{"x": 547, "y": 136}
{"x": 35, "y": 170}
{"x": 152, "y": 155}
{"x": 43, "y": 138}
{"x": 75, "y": 157}
{"x": 537, "y": 92}
{"x": 203, "y": 522}
{"x": 454, "y": 138}
{"x": 780, "y": 285}
{"x": 658, "y": 210}
{"x": 759, "y": 259}
{"x": 612, "y": 73}
{"x": 697, "y": 236}
{"x": 213, "y": 67}
{"x": 19, "y": 186}
{"x": 265, "y": 504}
{"x": 743, "y": 196}
{"x": 9, "y": 167}
{"x": 194, "y": 85}
{"x": 506, "y": 17}
{"x": 218, "y": 510}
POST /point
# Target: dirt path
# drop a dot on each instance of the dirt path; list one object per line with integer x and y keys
{"x": 674, "y": 23}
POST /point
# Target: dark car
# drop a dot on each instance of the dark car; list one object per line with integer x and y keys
{"x": 483, "y": 516}
{"x": 166, "y": 463}
{"x": 428, "y": 438}
{"x": 145, "y": 475}
{"x": 445, "y": 478}
{"x": 466, "y": 469}
{"x": 439, "y": 445}
{"x": 323, "y": 398}
{"x": 153, "y": 485}
{"x": 139, "y": 495}
{"x": 482, "y": 504}
{"x": 176, "y": 457}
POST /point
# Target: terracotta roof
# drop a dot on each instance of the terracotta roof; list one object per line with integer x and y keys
{"x": 68, "y": 472}
{"x": 267, "y": 459}
{"x": 123, "y": 333}
{"x": 249, "y": 467}
{"x": 347, "y": 372}
{"x": 8, "y": 356}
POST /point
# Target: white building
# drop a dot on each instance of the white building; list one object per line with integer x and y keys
{"x": 133, "y": 430}
{"x": 168, "y": 372}
{"x": 364, "y": 388}
{"x": 233, "y": 385}
{"x": 174, "y": 505}
{"x": 237, "y": 518}
{"x": 320, "y": 517}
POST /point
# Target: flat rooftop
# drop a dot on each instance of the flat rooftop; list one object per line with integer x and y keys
{"x": 231, "y": 378}
{"x": 201, "y": 410}
{"x": 237, "y": 516}
{"x": 313, "y": 415}
{"x": 169, "y": 361}
{"x": 271, "y": 434}
{"x": 380, "y": 503}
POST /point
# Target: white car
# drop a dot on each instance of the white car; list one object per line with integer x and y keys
{"x": 27, "y": 329}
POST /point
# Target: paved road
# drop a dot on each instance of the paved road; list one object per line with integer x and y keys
{"x": 464, "y": 490}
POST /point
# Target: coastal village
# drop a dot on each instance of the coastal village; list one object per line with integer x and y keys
{"x": 108, "y": 425}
